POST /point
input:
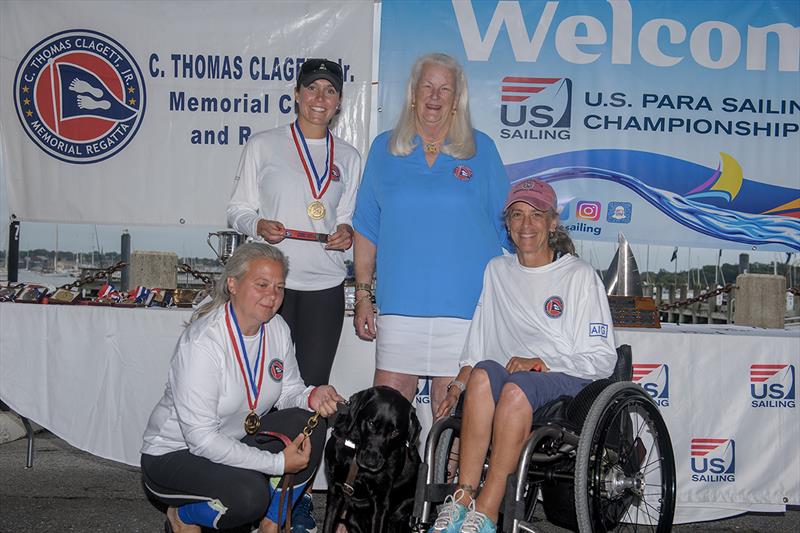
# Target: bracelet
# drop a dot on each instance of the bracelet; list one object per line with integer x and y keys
{"x": 457, "y": 384}
{"x": 368, "y": 291}
{"x": 364, "y": 287}
{"x": 363, "y": 298}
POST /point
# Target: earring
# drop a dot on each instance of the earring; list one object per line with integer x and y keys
{"x": 413, "y": 105}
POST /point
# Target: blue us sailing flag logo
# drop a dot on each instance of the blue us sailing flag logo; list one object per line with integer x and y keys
{"x": 84, "y": 94}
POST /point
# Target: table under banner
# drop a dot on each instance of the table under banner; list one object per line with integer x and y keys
{"x": 91, "y": 375}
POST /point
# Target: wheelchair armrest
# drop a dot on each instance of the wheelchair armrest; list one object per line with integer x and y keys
{"x": 623, "y": 370}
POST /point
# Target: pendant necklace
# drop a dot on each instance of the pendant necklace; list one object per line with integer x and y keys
{"x": 319, "y": 184}
{"x": 252, "y": 422}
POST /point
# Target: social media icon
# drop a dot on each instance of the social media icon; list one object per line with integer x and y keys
{"x": 619, "y": 212}
{"x": 588, "y": 210}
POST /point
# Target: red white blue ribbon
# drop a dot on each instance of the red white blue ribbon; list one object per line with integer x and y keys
{"x": 249, "y": 374}
{"x": 319, "y": 184}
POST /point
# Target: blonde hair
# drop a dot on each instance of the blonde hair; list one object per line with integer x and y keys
{"x": 460, "y": 141}
{"x": 236, "y": 267}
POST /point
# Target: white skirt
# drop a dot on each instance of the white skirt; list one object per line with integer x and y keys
{"x": 421, "y": 346}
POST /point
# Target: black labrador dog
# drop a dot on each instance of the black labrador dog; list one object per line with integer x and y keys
{"x": 372, "y": 463}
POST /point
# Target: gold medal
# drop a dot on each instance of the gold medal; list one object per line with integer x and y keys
{"x": 316, "y": 210}
{"x": 252, "y": 423}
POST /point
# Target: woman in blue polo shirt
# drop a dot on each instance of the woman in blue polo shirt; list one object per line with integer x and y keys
{"x": 429, "y": 218}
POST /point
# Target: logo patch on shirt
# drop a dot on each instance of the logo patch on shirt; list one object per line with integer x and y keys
{"x": 598, "y": 329}
{"x": 462, "y": 172}
{"x": 276, "y": 369}
{"x": 336, "y": 174}
{"x": 554, "y": 307}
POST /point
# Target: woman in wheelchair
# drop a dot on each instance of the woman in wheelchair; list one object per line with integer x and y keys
{"x": 542, "y": 329}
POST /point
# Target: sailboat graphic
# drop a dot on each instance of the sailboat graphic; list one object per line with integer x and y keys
{"x": 725, "y": 183}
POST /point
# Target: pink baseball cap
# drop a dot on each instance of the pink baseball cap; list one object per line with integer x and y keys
{"x": 535, "y": 193}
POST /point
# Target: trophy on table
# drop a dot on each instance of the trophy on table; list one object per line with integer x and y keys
{"x": 227, "y": 242}
{"x": 629, "y": 308}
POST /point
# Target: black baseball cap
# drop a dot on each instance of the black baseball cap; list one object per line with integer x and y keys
{"x": 315, "y": 69}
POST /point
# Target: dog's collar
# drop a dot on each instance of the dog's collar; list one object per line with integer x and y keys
{"x": 352, "y": 445}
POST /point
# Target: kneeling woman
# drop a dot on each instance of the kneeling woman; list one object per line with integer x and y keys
{"x": 542, "y": 328}
{"x": 206, "y": 451}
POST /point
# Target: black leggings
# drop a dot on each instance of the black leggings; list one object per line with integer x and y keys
{"x": 180, "y": 478}
{"x": 315, "y": 319}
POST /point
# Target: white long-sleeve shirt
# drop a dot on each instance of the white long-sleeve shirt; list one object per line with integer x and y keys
{"x": 558, "y": 312}
{"x": 272, "y": 184}
{"x": 205, "y": 402}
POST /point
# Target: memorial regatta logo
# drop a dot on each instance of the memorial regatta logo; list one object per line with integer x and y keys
{"x": 80, "y": 96}
{"x": 772, "y": 385}
{"x": 713, "y": 460}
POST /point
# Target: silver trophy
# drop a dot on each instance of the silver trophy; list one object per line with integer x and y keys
{"x": 227, "y": 242}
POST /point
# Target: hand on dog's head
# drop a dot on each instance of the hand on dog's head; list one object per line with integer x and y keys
{"x": 377, "y": 420}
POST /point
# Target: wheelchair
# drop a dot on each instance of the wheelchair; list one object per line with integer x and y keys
{"x": 599, "y": 461}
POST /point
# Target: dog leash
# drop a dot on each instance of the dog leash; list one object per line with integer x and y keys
{"x": 288, "y": 479}
{"x": 348, "y": 487}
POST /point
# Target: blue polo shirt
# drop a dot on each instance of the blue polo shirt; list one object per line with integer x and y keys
{"x": 435, "y": 228}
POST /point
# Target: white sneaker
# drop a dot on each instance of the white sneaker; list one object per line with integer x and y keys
{"x": 451, "y": 514}
{"x": 477, "y": 522}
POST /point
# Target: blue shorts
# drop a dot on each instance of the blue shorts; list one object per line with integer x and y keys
{"x": 539, "y": 387}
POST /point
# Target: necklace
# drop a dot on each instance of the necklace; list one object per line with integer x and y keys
{"x": 252, "y": 422}
{"x": 431, "y": 148}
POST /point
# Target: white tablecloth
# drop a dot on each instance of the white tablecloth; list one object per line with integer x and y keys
{"x": 91, "y": 375}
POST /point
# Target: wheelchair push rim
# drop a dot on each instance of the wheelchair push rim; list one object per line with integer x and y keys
{"x": 625, "y": 469}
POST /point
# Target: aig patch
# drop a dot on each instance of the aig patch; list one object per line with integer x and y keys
{"x": 80, "y": 96}
{"x": 597, "y": 329}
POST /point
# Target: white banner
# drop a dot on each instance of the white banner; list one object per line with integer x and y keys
{"x": 137, "y": 112}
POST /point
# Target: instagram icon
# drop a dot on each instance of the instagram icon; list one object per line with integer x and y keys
{"x": 588, "y": 210}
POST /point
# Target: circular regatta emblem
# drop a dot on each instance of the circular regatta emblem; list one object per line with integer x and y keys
{"x": 462, "y": 172}
{"x": 336, "y": 174}
{"x": 528, "y": 184}
{"x": 80, "y": 96}
{"x": 276, "y": 369}
{"x": 554, "y": 306}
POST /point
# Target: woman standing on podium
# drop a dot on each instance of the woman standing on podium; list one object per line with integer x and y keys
{"x": 301, "y": 178}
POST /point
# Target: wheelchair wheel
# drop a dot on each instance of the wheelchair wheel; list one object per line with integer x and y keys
{"x": 446, "y": 462}
{"x": 624, "y": 468}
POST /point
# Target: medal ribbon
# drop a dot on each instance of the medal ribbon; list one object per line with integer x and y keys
{"x": 239, "y": 348}
{"x": 319, "y": 184}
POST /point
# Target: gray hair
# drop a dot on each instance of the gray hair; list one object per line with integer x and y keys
{"x": 460, "y": 142}
{"x": 236, "y": 267}
{"x": 558, "y": 240}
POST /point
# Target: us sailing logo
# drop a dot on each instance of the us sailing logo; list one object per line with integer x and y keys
{"x": 423, "y": 394}
{"x": 772, "y": 385}
{"x": 713, "y": 460}
{"x": 536, "y": 108}
{"x": 80, "y": 96}
{"x": 654, "y": 379}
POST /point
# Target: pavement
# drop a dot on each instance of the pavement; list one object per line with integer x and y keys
{"x": 69, "y": 490}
